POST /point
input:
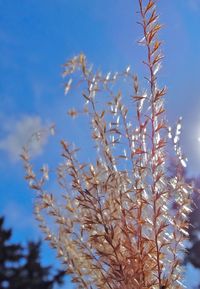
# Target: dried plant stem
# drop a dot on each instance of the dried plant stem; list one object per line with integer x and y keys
{"x": 122, "y": 221}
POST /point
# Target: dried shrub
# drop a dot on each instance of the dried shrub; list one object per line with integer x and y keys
{"x": 122, "y": 222}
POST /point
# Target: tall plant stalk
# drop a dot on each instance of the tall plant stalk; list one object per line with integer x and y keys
{"x": 123, "y": 222}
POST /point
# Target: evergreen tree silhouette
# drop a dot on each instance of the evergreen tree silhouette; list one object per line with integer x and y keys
{"x": 21, "y": 268}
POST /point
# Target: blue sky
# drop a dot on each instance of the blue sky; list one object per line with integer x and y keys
{"x": 37, "y": 37}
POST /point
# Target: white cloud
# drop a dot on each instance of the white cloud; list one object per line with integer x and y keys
{"x": 28, "y": 130}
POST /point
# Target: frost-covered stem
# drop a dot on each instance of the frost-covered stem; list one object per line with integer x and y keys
{"x": 102, "y": 130}
{"x": 101, "y": 269}
{"x": 152, "y": 81}
{"x": 140, "y": 244}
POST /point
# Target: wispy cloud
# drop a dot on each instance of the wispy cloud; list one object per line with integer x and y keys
{"x": 28, "y": 130}
{"x": 194, "y": 5}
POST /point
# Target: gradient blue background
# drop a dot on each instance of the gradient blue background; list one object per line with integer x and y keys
{"x": 37, "y": 37}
